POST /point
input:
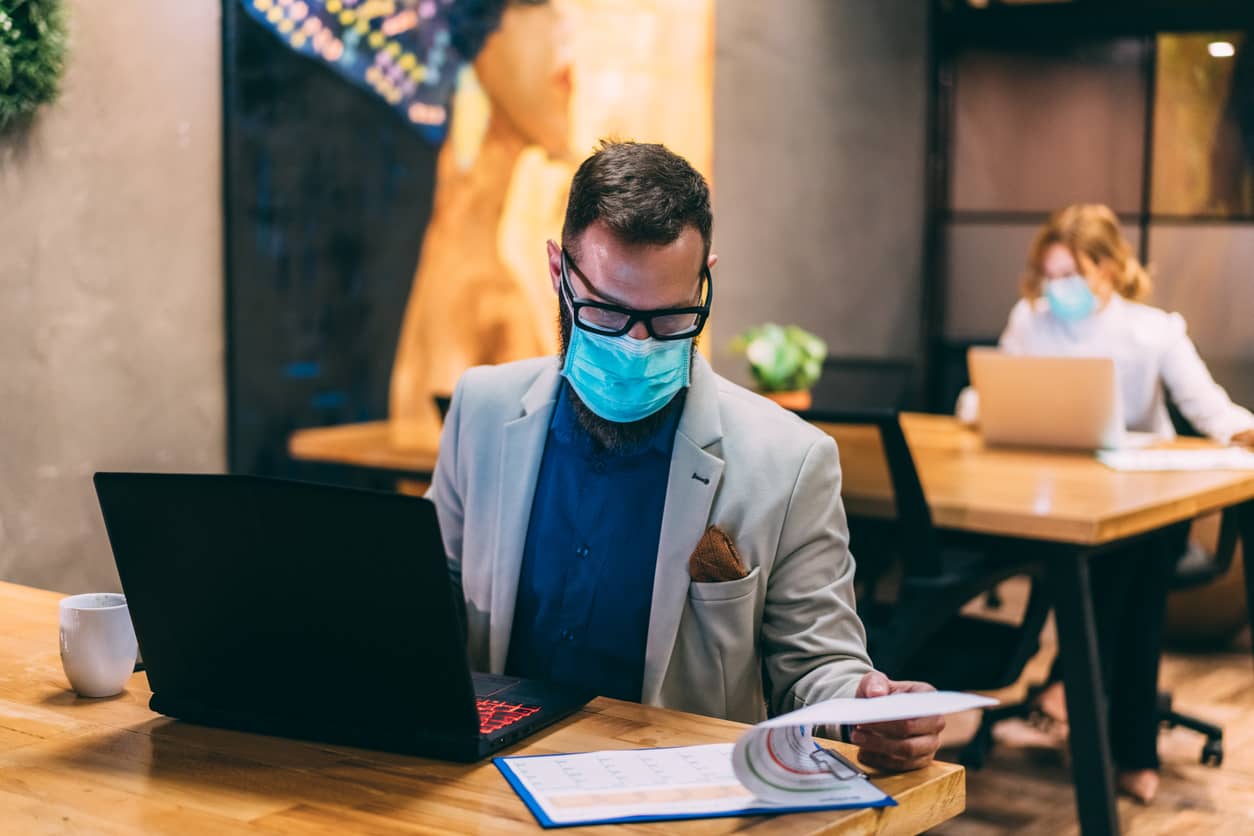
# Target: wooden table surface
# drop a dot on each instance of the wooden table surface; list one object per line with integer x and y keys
{"x": 111, "y": 766}
{"x": 361, "y": 445}
{"x": 1038, "y": 494}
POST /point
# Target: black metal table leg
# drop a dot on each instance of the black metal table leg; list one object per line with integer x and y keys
{"x": 1092, "y": 769}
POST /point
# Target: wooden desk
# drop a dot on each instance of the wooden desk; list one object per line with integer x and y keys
{"x": 112, "y": 766}
{"x": 1038, "y": 495}
{"x": 1066, "y": 507}
{"x": 366, "y": 446}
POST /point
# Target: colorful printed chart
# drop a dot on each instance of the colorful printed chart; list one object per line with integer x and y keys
{"x": 401, "y": 50}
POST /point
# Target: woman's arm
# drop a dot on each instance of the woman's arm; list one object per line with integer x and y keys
{"x": 1199, "y": 398}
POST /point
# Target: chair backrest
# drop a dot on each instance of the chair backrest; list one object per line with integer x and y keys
{"x": 948, "y": 373}
{"x": 1226, "y": 548}
{"x": 865, "y": 383}
{"x": 876, "y": 463}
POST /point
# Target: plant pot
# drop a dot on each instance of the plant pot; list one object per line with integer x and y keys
{"x": 795, "y": 399}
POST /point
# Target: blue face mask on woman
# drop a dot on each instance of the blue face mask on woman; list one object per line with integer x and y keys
{"x": 623, "y": 379}
{"x": 1070, "y": 298}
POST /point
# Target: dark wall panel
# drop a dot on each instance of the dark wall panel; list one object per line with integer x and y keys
{"x": 327, "y": 193}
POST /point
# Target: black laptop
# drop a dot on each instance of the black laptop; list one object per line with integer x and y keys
{"x": 308, "y": 611}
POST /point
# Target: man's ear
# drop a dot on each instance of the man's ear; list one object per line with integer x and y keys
{"x": 555, "y": 266}
{"x": 712, "y": 260}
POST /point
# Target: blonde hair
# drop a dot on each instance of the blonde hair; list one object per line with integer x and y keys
{"x": 1091, "y": 230}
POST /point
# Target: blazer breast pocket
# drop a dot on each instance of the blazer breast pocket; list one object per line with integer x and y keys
{"x": 723, "y": 641}
{"x": 725, "y": 590}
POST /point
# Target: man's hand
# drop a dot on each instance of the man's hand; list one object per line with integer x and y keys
{"x": 898, "y": 745}
{"x": 1245, "y": 439}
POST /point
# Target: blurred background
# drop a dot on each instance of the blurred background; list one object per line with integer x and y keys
{"x": 213, "y": 238}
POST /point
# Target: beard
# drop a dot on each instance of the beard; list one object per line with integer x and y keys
{"x": 612, "y": 435}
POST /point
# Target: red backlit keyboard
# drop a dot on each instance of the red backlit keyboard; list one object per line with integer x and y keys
{"x": 495, "y": 715}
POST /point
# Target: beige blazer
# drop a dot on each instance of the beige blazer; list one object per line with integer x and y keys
{"x": 784, "y": 636}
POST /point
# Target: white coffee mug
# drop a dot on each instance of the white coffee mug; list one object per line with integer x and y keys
{"x": 98, "y": 644}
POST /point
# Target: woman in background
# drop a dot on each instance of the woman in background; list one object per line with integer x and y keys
{"x": 1082, "y": 296}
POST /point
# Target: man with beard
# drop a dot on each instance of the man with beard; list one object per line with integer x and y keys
{"x": 623, "y": 520}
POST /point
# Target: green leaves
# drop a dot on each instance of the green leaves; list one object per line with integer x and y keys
{"x": 32, "y": 56}
{"x": 782, "y": 357}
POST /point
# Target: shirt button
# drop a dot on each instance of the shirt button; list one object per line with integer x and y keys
{"x": 567, "y": 635}
{"x": 598, "y": 466}
{"x": 582, "y": 551}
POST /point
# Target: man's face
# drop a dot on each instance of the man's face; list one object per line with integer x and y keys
{"x": 639, "y": 276}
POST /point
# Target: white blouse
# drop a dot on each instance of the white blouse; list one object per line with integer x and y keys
{"x": 1151, "y": 349}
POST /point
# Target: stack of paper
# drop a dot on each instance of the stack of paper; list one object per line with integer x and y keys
{"x": 775, "y": 767}
{"x": 1215, "y": 458}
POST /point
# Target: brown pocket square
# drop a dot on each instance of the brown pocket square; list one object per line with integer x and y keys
{"x": 715, "y": 559}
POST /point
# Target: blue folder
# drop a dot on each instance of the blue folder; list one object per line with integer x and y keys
{"x": 504, "y": 765}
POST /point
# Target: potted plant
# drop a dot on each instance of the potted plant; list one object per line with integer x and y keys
{"x": 785, "y": 361}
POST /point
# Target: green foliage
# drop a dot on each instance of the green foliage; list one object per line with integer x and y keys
{"x": 782, "y": 357}
{"x": 32, "y": 56}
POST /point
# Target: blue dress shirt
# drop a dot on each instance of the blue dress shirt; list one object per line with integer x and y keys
{"x": 585, "y": 588}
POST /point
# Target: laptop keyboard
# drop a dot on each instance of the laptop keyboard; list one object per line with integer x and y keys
{"x": 495, "y": 715}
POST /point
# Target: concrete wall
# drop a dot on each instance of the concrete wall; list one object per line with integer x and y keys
{"x": 819, "y": 144}
{"x": 110, "y": 283}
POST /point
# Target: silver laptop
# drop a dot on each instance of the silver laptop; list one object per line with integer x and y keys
{"x": 1065, "y": 402}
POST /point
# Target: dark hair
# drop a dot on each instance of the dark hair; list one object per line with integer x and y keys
{"x": 643, "y": 192}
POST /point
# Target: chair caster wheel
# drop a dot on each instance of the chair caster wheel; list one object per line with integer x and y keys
{"x": 1213, "y": 753}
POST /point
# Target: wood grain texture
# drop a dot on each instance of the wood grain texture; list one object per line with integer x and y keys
{"x": 1046, "y": 495}
{"x": 112, "y": 766}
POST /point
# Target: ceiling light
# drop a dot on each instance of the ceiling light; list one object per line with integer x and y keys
{"x": 1221, "y": 49}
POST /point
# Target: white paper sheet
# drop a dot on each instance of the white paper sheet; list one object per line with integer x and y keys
{"x": 689, "y": 781}
{"x": 775, "y": 759}
{"x": 1217, "y": 458}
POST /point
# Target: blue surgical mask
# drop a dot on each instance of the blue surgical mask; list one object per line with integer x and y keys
{"x": 1070, "y": 298}
{"x": 623, "y": 379}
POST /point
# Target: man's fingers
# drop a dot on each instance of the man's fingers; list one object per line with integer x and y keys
{"x": 906, "y": 749}
{"x": 886, "y": 763}
{"x": 907, "y": 728}
{"x": 874, "y": 684}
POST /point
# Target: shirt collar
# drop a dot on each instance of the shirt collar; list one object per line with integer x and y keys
{"x": 566, "y": 428}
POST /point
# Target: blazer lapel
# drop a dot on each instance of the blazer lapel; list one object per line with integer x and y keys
{"x": 693, "y": 480}
{"x": 522, "y": 450}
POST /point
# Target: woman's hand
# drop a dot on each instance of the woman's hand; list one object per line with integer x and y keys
{"x": 1245, "y": 439}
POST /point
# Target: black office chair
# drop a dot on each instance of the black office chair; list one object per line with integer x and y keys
{"x": 1189, "y": 574}
{"x": 913, "y": 582}
{"x": 864, "y": 383}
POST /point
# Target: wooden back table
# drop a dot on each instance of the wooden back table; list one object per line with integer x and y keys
{"x": 1030, "y": 494}
{"x": 1066, "y": 506}
{"x": 112, "y": 766}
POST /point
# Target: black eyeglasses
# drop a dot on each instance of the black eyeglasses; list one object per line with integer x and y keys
{"x": 615, "y": 320}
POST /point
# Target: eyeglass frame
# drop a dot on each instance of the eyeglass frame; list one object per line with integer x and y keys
{"x": 578, "y": 303}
